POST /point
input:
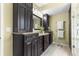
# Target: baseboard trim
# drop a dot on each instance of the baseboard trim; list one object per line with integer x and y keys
{"x": 61, "y": 44}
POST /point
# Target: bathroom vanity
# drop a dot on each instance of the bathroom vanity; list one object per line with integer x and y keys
{"x": 27, "y": 42}
{"x": 30, "y": 44}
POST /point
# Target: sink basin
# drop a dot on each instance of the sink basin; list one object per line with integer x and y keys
{"x": 40, "y": 34}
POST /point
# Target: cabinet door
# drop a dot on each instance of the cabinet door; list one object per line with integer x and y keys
{"x": 40, "y": 45}
{"x": 26, "y": 22}
{"x": 46, "y": 42}
{"x": 27, "y": 49}
{"x": 30, "y": 20}
{"x": 34, "y": 47}
{"x": 18, "y": 45}
{"x": 21, "y": 19}
{"x": 50, "y": 38}
{"x": 46, "y": 22}
{"x": 36, "y": 43}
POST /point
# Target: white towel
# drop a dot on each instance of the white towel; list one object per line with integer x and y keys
{"x": 60, "y": 24}
{"x": 60, "y": 34}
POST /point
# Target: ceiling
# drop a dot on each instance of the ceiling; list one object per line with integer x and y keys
{"x": 40, "y": 4}
{"x": 53, "y": 11}
{"x": 53, "y": 8}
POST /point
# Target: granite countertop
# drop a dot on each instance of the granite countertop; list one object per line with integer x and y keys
{"x": 40, "y": 34}
{"x": 24, "y": 33}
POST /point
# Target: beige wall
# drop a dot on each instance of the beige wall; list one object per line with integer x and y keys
{"x": 53, "y": 19}
{"x": 7, "y": 21}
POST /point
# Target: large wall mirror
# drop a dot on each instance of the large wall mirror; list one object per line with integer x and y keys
{"x": 37, "y": 22}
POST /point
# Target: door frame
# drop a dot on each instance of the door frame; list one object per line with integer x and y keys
{"x": 70, "y": 28}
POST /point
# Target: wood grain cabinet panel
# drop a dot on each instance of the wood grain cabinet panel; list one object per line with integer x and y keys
{"x": 40, "y": 45}
{"x": 46, "y": 41}
{"x": 46, "y": 22}
{"x": 34, "y": 47}
{"x": 18, "y": 45}
{"x": 22, "y": 17}
{"x": 28, "y": 48}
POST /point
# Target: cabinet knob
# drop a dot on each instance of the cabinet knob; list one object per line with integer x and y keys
{"x": 29, "y": 43}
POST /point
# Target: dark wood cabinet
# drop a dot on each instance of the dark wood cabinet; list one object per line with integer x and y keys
{"x": 40, "y": 45}
{"x": 46, "y": 22}
{"x": 21, "y": 20}
{"x": 50, "y": 37}
{"x": 30, "y": 44}
{"x": 34, "y": 47}
{"x": 18, "y": 45}
{"x": 27, "y": 44}
{"x": 30, "y": 19}
{"x": 22, "y": 17}
{"x": 46, "y": 42}
{"x": 28, "y": 48}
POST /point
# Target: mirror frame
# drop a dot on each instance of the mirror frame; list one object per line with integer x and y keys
{"x": 41, "y": 22}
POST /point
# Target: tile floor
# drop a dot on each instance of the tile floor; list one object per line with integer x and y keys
{"x": 57, "y": 50}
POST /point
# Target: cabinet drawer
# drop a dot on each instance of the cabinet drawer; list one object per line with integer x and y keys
{"x": 34, "y": 47}
{"x": 30, "y": 36}
{"x": 28, "y": 48}
{"x": 27, "y": 42}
